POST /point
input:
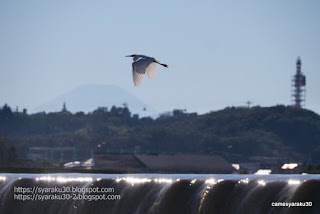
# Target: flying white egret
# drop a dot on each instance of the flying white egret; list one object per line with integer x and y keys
{"x": 143, "y": 64}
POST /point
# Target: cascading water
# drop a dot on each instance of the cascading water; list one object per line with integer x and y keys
{"x": 159, "y": 194}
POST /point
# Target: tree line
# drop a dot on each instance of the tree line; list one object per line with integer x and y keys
{"x": 236, "y": 133}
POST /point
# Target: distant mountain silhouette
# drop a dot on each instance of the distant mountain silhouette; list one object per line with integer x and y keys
{"x": 87, "y": 98}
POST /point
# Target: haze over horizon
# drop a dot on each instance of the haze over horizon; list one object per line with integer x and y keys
{"x": 219, "y": 53}
{"x": 87, "y": 98}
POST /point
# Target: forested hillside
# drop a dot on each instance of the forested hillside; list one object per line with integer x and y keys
{"x": 235, "y": 133}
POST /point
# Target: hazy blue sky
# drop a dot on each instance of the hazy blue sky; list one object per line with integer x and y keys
{"x": 220, "y": 53}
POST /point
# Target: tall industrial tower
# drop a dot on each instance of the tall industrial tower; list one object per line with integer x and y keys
{"x": 298, "y": 87}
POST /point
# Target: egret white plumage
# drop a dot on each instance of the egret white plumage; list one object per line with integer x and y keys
{"x": 143, "y": 64}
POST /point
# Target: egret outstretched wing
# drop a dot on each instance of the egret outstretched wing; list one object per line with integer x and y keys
{"x": 152, "y": 70}
{"x": 137, "y": 78}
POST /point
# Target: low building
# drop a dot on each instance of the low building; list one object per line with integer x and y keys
{"x": 158, "y": 163}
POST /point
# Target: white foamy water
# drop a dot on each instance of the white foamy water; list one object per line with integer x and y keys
{"x": 158, "y": 193}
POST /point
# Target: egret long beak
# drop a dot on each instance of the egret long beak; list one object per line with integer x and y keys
{"x": 129, "y": 56}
